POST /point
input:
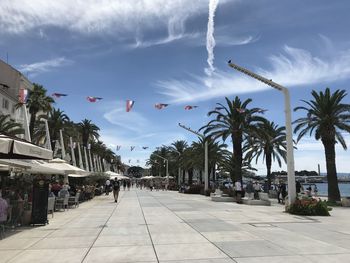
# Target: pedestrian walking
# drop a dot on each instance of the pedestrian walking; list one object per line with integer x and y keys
{"x": 124, "y": 185}
{"x": 107, "y": 186}
{"x": 116, "y": 188}
{"x": 128, "y": 185}
{"x": 238, "y": 189}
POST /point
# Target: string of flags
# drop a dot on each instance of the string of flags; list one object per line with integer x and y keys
{"x": 23, "y": 97}
{"x": 118, "y": 148}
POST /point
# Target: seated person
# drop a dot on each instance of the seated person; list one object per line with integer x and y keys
{"x": 63, "y": 192}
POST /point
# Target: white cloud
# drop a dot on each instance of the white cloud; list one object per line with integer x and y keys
{"x": 93, "y": 16}
{"x": 44, "y": 66}
{"x": 132, "y": 120}
{"x": 294, "y": 67}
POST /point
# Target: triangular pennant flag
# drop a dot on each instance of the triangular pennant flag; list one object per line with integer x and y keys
{"x": 132, "y": 148}
{"x": 129, "y": 160}
{"x": 129, "y": 105}
{"x": 58, "y": 95}
{"x": 138, "y": 161}
{"x": 118, "y": 147}
{"x": 161, "y": 106}
{"x": 93, "y": 99}
{"x": 145, "y": 147}
{"x": 189, "y": 107}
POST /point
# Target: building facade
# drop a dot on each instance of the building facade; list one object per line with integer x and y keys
{"x": 11, "y": 80}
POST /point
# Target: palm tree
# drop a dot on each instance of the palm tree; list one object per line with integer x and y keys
{"x": 37, "y": 101}
{"x": 216, "y": 153}
{"x": 177, "y": 149}
{"x": 89, "y": 131}
{"x": 270, "y": 143}
{"x": 9, "y": 126}
{"x": 57, "y": 120}
{"x": 235, "y": 121}
{"x": 326, "y": 117}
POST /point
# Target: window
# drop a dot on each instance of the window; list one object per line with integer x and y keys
{"x": 5, "y": 104}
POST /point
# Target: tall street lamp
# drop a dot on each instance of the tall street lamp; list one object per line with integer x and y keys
{"x": 167, "y": 168}
{"x": 206, "y": 181}
{"x": 288, "y": 116}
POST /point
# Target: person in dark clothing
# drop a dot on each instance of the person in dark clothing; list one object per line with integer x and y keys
{"x": 298, "y": 187}
{"x": 128, "y": 185}
{"x": 116, "y": 188}
{"x": 283, "y": 191}
{"x": 124, "y": 184}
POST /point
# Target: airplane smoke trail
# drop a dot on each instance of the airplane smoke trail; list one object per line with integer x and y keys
{"x": 210, "y": 37}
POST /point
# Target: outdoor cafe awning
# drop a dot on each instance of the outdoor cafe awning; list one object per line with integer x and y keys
{"x": 15, "y": 148}
{"x": 27, "y": 166}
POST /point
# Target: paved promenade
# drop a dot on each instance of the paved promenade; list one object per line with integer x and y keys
{"x": 170, "y": 227}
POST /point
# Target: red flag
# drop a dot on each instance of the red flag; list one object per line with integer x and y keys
{"x": 93, "y": 99}
{"x": 161, "y": 106}
{"x": 240, "y": 110}
{"x": 129, "y": 105}
{"x": 23, "y": 95}
{"x": 58, "y": 95}
{"x": 189, "y": 107}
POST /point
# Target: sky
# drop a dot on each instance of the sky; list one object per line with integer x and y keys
{"x": 154, "y": 51}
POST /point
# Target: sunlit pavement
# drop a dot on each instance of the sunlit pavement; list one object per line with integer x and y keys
{"x": 170, "y": 227}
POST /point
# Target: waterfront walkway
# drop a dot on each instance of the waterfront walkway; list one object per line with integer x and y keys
{"x": 170, "y": 227}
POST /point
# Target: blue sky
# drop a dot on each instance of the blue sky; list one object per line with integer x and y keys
{"x": 154, "y": 52}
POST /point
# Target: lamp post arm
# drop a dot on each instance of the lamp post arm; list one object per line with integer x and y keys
{"x": 289, "y": 132}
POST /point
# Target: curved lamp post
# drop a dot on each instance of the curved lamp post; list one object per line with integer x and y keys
{"x": 288, "y": 116}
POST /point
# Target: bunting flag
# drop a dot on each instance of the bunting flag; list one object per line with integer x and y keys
{"x": 189, "y": 107}
{"x": 145, "y": 147}
{"x": 129, "y": 105}
{"x": 93, "y": 99}
{"x": 58, "y": 95}
{"x": 23, "y": 95}
{"x": 161, "y": 106}
{"x": 132, "y": 148}
{"x": 118, "y": 147}
{"x": 129, "y": 161}
{"x": 138, "y": 161}
{"x": 240, "y": 110}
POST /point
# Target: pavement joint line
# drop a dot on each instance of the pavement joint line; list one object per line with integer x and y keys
{"x": 99, "y": 233}
{"x": 40, "y": 239}
{"x": 195, "y": 229}
{"x": 149, "y": 233}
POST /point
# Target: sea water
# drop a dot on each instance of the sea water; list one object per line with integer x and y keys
{"x": 344, "y": 188}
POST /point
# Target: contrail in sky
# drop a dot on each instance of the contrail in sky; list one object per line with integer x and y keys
{"x": 210, "y": 37}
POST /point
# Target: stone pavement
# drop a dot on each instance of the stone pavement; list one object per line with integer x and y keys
{"x": 170, "y": 227}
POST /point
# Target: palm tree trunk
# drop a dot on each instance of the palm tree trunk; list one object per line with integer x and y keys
{"x": 32, "y": 123}
{"x": 333, "y": 188}
{"x": 268, "y": 168}
{"x": 237, "y": 156}
{"x": 183, "y": 176}
{"x": 190, "y": 176}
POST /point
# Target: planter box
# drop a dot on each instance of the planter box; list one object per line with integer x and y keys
{"x": 345, "y": 201}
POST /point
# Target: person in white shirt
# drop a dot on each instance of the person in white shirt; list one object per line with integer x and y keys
{"x": 107, "y": 186}
{"x": 238, "y": 189}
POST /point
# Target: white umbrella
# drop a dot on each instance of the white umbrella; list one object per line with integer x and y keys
{"x": 64, "y": 166}
{"x": 78, "y": 175}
